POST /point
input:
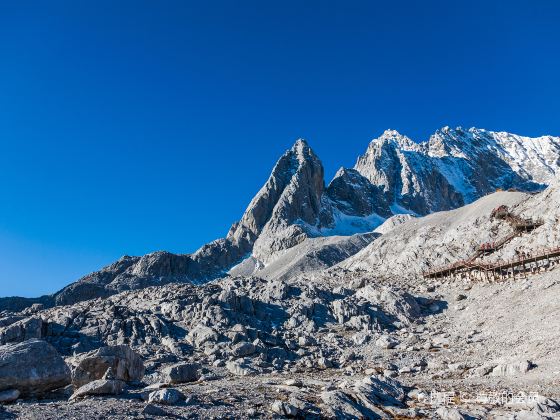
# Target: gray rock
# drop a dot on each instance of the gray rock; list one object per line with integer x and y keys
{"x": 23, "y": 330}
{"x": 167, "y": 396}
{"x": 445, "y": 413}
{"x": 379, "y": 390}
{"x": 324, "y": 363}
{"x": 512, "y": 369}
{"x": 9, "y": 396}
{"x": 126, "y": 365}
{"x": 294, "y": 382}
{"x": 33, "y": 367}
{"x": 239, "y": 367}
{"x": 355, "y": 195}
{"x": 154, "y": 410}
{"x": 181, "y": 372}
{"x": 546, "y": 406}
{"x": 201, "y": 335}
{"x": 243, "y": 349}
{"x": 336, "y": 404}
{"x": 482, "y": 370}
{"x": 386, "y": 342}
{"x": 284, "y": 409}
{"x": 99, "y": 387}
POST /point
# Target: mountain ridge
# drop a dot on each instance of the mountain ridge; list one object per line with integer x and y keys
{"x": 395, "y": 175}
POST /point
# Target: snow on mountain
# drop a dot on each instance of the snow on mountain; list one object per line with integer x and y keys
{"x": 456, "y": 166}
{"x": 418, "y": 244}
{"x": 282, "y": 224}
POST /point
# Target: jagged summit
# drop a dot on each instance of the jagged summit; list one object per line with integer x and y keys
{"x": 300, "y": 144}
{"x": 392, "y": 137}
{"x": 456, "y": 166}
{"x": 293, "y": 208}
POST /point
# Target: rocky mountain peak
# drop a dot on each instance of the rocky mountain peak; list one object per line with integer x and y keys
{"x": 301, "y": 147}
{"x": 393, "y": 138}
{"x": 294, "y": 204}
{"x": 456, "y": 166}
{"x": 297, "y": 176}
{"x": 293, "y": 208}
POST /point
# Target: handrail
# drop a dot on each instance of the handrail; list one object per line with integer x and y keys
{"x": 550, "y": 252}
{"x": 516, "y": 222}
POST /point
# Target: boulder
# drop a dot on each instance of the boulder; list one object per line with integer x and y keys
{"x": 99, "y": 387}
{"x": 386, "y": 342}
{"x": 9, "y": 396}
{"x": 33, "y": 367}
{"x": 201, "y": 334}
{"x": 379, "y": 391}
{"x": 167, "y": 396}
{"x": 126, "y": 365}
{"x": 239, "y": 367}
{"x": 181, "y": 372}
{"x": 336, "y": 404}
{"x": 324, "y": 363}
{"x": 23, "y": 330}
{"x": 512, "y": 369}
{"x": 445, "y": 413}
{"x": 284, "y": 409}
{"x": 482, "y": 370}
{"x": 243, "y": 349}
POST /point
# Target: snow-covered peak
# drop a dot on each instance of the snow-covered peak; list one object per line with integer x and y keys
{"x": 456, "y": 166}
{"x": 533, "y": 158}
{"x": 393, "y": 137}
{"x": 300, "y": 145}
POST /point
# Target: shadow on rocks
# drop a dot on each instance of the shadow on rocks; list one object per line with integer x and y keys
{"x": 431, "y": 306}
{"x": 6, "y": 414}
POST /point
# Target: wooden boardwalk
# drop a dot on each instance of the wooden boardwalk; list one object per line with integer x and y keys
{"x": 525, "y": 263}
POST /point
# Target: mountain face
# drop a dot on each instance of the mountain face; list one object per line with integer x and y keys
{"x": 394, "y": 176}
{"x": 455, "y": 167}
{"x": 288, "y": 204}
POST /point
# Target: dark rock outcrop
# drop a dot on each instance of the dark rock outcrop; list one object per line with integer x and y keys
{"x": 353, "y": 194}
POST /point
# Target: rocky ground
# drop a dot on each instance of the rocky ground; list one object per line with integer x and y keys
{"x": 255, "y": 348}
{"x": 338, "y": 327}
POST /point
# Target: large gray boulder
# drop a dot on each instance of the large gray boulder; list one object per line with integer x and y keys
{"x": 169, "y": 396}
{"x": 25, "y": 329}
{"x": 181, "y": 372}
{"x": 32, "y": 367}
{"x": 99, "y": 387}
{"x": 125, "y": 364}
{"x": 9, "y": 396}
{"x": 512, "y": 369}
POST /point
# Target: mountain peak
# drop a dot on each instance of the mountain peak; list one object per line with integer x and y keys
{"x": 299, "y": 144}
{"x": 390, "y": 133}
{"x": 395, "y": 175}
{"x": 394, "y": 137}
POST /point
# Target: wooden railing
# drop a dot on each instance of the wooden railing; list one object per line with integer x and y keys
{"x": 526, "y": 258}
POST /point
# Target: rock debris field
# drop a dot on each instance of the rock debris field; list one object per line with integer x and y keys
{"x": 337, "y": 327}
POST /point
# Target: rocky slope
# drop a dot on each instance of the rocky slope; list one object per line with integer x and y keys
{"x": 371, "y": 341}
{"x": 294, "y": 207}
{"x": 419, "y": 244}
{"x": 298, "y": 337}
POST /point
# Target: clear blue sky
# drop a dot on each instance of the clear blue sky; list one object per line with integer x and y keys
{"x": 128, "y": 127}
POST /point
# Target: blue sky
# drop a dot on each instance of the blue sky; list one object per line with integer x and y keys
{"x": 128, "y": 127}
